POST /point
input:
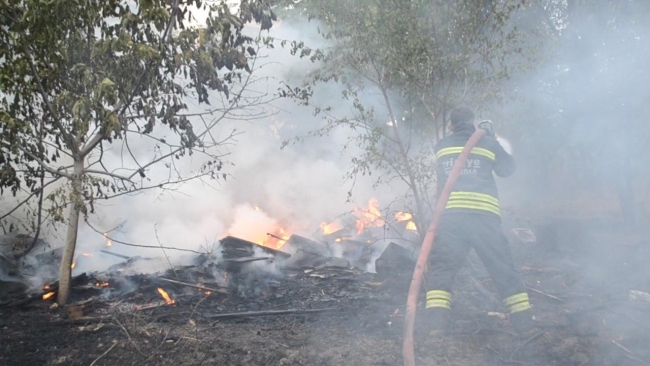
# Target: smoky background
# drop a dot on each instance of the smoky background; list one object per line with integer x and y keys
{"x": 575, "y": 120}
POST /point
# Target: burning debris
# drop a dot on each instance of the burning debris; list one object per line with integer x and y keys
{"x": 349, "y": 244}
{"x": 244, "y": 287}
{"x": 166, "y": 296}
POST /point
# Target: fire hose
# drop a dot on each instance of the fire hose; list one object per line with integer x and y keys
{"x": 416, "y": 282}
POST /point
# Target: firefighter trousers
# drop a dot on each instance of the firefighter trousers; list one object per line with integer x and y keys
{"x": 458, "y": 233}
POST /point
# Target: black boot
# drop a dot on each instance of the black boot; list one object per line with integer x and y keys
{"x": 436, "y": 321}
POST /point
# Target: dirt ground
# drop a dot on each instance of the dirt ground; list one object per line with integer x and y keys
{"x": 580, "y": 288}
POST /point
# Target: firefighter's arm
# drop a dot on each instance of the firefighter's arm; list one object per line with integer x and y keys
{"x": 504, "y": 163}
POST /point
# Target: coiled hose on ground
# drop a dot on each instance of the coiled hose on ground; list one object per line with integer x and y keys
{"x": 416, "y": 283}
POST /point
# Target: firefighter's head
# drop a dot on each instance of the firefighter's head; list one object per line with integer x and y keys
{"x": 461, "y": 115}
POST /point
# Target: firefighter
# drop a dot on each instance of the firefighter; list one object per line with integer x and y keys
{"x": 472, "y": 220}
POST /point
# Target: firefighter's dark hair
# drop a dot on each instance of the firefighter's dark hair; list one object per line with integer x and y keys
{"x": 461, "y": 115}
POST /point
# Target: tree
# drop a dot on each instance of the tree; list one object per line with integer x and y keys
{"x": 81, "y": 76}
{"x": 422, "y": 58}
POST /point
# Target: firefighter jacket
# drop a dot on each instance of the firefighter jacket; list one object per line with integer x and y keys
{"x": 475, "y": 189}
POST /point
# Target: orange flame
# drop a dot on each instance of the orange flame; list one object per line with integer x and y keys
{"x": 369, "y": 217}
{"x": 275, "y": 240}
{"x": 165, "y": 296}
{"x": 329, "y": 228}
{"x": 101, "y": 284}
{"x": 48, "y": 295}
{"x": 404, "y": 216}
{"x": 411, "y": 226}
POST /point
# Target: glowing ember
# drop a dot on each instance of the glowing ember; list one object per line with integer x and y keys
{"x": 48, "y": 295}
{"x": 368, "y": 217}
{"x": 101, "y": 284}
{"x": 329, "y": 228}
{"x": 87, "y": 255}
{"x": 165, "y": 296}
{"x": 108, "y": 241}
{"x": 74, "y": 264}
{"x": 338, "y": 240}
{"x": 208, "y": 293}
{"x": 46, "y": 287}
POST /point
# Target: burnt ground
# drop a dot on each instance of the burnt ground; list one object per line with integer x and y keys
{"x": 580, "y": 275}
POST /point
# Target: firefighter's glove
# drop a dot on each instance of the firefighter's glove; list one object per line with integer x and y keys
{"x": 488, "y": 127}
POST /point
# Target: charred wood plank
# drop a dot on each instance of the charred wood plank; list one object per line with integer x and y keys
{"x": 300, "y": 243}
{"x": 219, "y": 290}
{"x": 235, "y": 247}
{"x": 248, "y": 259}
{"x": 395, "y": 258}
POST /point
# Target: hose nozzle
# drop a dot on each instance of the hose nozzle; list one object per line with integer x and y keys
{"x": 487, "y": 126}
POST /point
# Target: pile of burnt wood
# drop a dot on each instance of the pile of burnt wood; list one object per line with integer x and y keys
{"x": 234, "y": 262}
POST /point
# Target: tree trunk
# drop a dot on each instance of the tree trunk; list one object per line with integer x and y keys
{"x": 65, "y": 273}
{"x": 412, "y": 182}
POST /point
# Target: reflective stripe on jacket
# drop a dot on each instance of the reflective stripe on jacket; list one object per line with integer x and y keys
{"x": 476, "y": 189}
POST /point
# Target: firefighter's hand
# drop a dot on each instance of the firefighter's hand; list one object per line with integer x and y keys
{"x": 488, "y": 127}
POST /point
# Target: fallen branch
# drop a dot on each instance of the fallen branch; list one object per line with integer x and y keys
{"x": 81, "y": 321}
{"x": 527, "y": 341}
{"x": 115, "y": 254}
{"x": 629, "y": 354}
{"x": 103, "y": 354}
{"x": 223, "y": 291}
{"x": 272, "y": 312}
{"x": 545, "y": 294}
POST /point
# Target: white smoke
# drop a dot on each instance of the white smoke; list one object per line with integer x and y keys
{"x": 295, "y": 188}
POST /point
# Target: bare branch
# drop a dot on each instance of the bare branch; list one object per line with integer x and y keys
{"x": 29, "y": 197}
{"x": 138, "y": 245}
{"x": 61, "y": 171}
{"x": 102, "y": 172}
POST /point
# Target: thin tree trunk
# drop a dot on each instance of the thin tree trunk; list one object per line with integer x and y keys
{"x": 409, "y": 170}
{"x": 65, "y": 273}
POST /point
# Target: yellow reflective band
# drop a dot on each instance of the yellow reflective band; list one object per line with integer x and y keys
{"x": 520, "y": 307}
{"x": 484, "y": 152}
{"x": 458, "y": 149}
{"x": 438, "y": 304}
{"x": 473, "y": 206}
{"x": 438, "y": 295}
{"x": 474, "y": 196}
{"x": 515, "y": 299}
